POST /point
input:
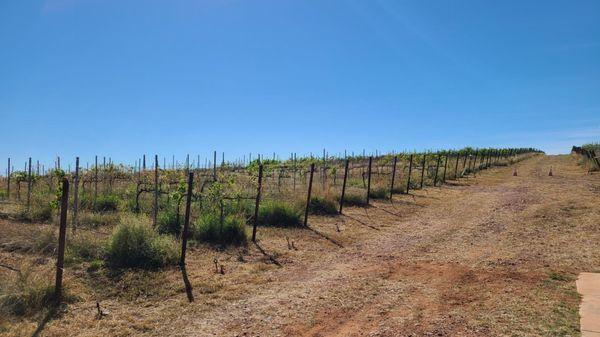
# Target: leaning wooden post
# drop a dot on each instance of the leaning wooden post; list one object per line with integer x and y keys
{"x": 393, "y": 177}
{"x": 423, "y": 170}
{"x": 8, "y": 181}
{"x": 465, "y": 162}
{"x": 369, "y": 179}
{"x": 257, "y": 204}
{"x": 155, "y": 213}
{"x": 29, "y": 185}
{"x": 186, "y": 223}
{"x": 310, "y": 181}
{"x": 344, "y": 185}
{"x": 64, "y": 204}
{"x": 437, "y": 168}
{"x": 75, "y": 194}
{"x": 410, "y": 161}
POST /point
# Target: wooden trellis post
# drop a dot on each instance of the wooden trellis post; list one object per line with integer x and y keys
{"x": 393, "y": 177}
{"x": 257, "y": 204}
{"x": 310, "y": 181}
{"x": 64, "y": 204}
{"x": 344, "y": 185}
{"x": 369, "y": 179}
{"x": 155, "y": 213}
{"x": 8, "y": 180}
{"x": 186, "y": 223}
{"x": 437, "y": 168}
{"x": 410, "y": 161}
{"x": 29, "y": 185}
{"x": 423, "y": 170}
{"x": 75, "y": 194}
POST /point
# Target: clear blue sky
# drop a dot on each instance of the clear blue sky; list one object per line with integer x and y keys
{"x": 122, "y": 78}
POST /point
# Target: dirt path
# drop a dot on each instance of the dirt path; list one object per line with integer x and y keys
{"x": 494, "y": 255}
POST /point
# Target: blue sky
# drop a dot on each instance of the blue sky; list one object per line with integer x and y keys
{"x": 123, "y": 78}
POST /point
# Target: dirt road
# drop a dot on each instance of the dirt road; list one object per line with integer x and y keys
{"x": 492, "y": 255}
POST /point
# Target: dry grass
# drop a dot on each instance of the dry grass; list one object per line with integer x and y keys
{"x": 492, "y": 255}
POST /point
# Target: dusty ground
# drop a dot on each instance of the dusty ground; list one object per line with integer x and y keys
{"x": 492, "y": 255}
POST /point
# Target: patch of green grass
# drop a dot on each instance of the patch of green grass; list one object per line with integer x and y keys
{"x": 26, "y": 293}
{"x": 353, "y": 199}
{"x": 322, "y": 206}
{"x": 208, "y": 228}
{"x": 279, "y": 214}
{"x": 134, "y": 244}
{"x": 95, "y": 220}
{"x": 84, "y": 246}
{"x": 379, "y": 193}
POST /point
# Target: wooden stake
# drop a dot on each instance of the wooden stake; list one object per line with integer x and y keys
{"x": 437, "y": 167}
{"x": 29, "y": 185}
{"x": 64, "y": 204}
{"x": 369, "y": 179}
{"x": 344, "y": 185}
{"x": 393, "y": 177}
{"x": 186, "y": 223}
{"x": 409, "y": 172}
{"x": 75, "y": 194}
{"x": 423, "y": 170}
{"x": 257, "y": 204}
{"x": 155, "y": 213}
{"x": 310, "y": 181}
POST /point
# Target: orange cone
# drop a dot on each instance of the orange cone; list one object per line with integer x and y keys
{"x": 515, "y": 172}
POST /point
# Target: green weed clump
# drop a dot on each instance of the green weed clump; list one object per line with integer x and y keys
{"x": 104, "y": 203}
{"x": 84, "y": 247}
{"x": 322, "y": 206}
{"x": 209, "y": 228}
{"x": 95, "y": 220}
{"x": 379, "y": 193}
{"x": 134, "y": 244}
{"x": 169, "y": 221}
{"x": 279, "y": 214}
{"x": 352, "y": 199}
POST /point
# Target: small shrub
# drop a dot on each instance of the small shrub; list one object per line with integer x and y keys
{"x": 279, "y": 214}
{"x": 322, "y": 206}
{"x": 399, "y": 189}
{"x": 351, "y": 199}
{"x": 106, "y": 203}
{"x": 134, "y": 244}
{"x": 169, "y": 222}
{"x": 41, "y": 212}
{"x": 208, "y": 228}
{"x": 379, "y": 193}
{"x": 2, "y": 195}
